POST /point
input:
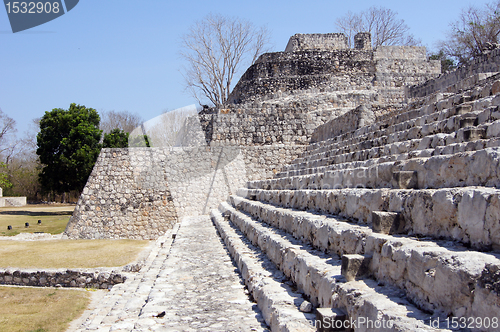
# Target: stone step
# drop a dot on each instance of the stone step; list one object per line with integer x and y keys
{"x": 470, "y": 138}
{"x": 417, "y": 138}
{"x": 455, "y": 105}
{"x": 430, "y": 272}
{"x": 470, "y": 168}
{"x": 319, "y": 276}
{"x": 468, "y": 215}
{"x": 120, "y": 308}
{"x": 279, "y": 303}
{"x": 395, "y": 152}
{"x": 446, "y": 121}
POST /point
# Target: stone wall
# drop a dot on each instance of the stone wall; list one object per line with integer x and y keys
{"x": 126, "y": 196}
{"x": 350, "y": 121}
{"x": 397, "y": 67}
{"x": 12, "y": 201}
{"x": 263, "y": 162}
{"x": 82, "y": 278}
{"x": 317, "y": 41}
{"x": 139, "y": 193}
{"x": 282, "y": 73}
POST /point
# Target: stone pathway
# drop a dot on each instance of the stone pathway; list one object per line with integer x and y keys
{"x": 191, "y": 284}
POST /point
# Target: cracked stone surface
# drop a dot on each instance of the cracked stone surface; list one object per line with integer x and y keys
{"x": 190, "y": 285}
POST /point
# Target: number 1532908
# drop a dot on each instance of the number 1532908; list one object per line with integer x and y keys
{"x": 16, "y": 7}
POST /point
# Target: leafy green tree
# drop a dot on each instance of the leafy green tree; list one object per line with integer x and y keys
{"x": 447, "y": 64}
{"x": 140, "y": 142}
{"x": 68, "y": 147}
{"x": 117, "y": 138}
{"x": 4, "y": 177}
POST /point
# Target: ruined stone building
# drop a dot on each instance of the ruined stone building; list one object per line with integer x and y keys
{"x": 369, "y": 179}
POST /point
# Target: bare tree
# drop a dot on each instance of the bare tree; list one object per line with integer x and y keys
{"x": 7, "y": 128}
{"x": 382, "y": 23}
{"x": 7, "y": 142}
{"x": 123, "y": 120}
{"x": 215, "y": 48}
{"x": 475, "y": 31}
{"x": 24, "y": 165}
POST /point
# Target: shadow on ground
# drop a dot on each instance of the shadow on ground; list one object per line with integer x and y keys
{"x": 36, "y": 214}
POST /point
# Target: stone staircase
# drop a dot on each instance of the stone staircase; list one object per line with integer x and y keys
{"x": 397, "y": 222}
{"x": 119, "y": 309}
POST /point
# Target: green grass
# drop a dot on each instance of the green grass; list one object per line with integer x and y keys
{"x": 40, "y": 309}
{"x": 69, "y": 253}
{"x": 54, "y": 219}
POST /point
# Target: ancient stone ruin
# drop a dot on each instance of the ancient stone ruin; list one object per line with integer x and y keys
{"x": 360, "y": 178}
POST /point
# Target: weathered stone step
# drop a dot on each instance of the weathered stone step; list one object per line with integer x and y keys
{"x": 470, "y": 168}
{"x": 469, "y": 215}
{"x": 278, "y": 302}
{"x": 319, "y": 276}
{"x": 473, "y": 138}
{"x": 425, "y": 115}
{"x": 436, "y": 145}
{"x": 120, "y": 308}
{"x": 395, "y": 152}
{"x": 430, "y": 272}
{"x": 406, "y": 141}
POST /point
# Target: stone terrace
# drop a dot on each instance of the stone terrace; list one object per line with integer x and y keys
{"x": 397, "y": 220}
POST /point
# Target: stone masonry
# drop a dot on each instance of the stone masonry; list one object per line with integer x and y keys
{"x": 130, "y": 191}
{"x": 387, "y": 220}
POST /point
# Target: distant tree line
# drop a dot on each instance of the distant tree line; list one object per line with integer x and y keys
{"x": 59, "y": 151}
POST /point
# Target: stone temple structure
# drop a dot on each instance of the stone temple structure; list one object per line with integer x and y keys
{"x": 361, "y": 178}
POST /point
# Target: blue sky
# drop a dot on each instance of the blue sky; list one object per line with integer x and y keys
{"x": 123, "y": 54}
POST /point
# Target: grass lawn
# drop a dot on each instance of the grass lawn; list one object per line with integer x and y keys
{"x": 69, "y": 253}
{"x": 54, "y": 218}
{"x": 40, "y": 309}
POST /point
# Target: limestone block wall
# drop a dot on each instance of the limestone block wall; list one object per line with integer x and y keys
{"x": 270, "y": 125}
{"x": 139, "y": 193}
{"x": 316, "y": 41}
{"x": 400, "y": 66}
{"x": 350, "y": 121}
{"x": 126, "y": 196}
{"x": 288, "y": 72}
{"x": 12, "y": 201}
{"x": 263, "y": 162}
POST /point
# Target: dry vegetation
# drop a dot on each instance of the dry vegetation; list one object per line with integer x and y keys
{"x": 69, "y": 253}
{"x": 40, "y": 309}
